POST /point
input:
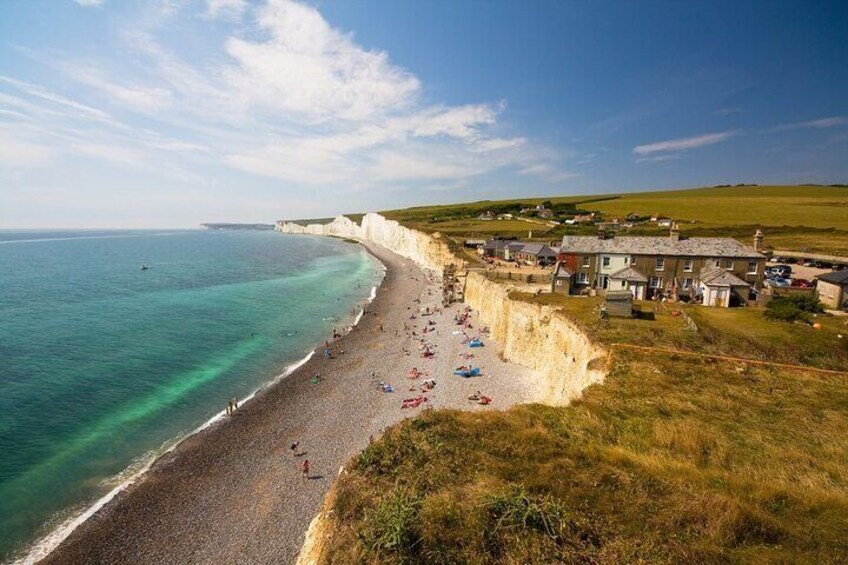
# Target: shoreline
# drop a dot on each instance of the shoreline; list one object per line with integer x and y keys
{"x": 233, "y": 492}
{"x": 41, "y": 548}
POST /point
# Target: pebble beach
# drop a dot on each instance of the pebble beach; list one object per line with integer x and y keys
{"x": 235, "y": 492}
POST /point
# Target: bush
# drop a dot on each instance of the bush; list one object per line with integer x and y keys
{"x": 793, "y": 307}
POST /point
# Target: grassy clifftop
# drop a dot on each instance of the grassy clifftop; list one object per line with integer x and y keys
{"x": 674, "y": 459}
{"x": 811, "y": 218}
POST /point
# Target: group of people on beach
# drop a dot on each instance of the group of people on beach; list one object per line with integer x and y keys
{"x": 297, "y": 452}
{"x": 232, "y": 406}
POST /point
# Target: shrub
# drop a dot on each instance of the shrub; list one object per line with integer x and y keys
{"x": 793, "y": 307}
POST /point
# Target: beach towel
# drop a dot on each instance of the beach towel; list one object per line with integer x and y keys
{"x": 475, "y": 343}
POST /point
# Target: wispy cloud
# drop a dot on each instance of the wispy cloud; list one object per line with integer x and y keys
{"x": 683, "y": 144}
{"x": 821, "y": 123}
{"x": 727, "y": 111}
{"x": 225, "y": 9}
{"x": 89, "y": 3}
{"x": 285, "y": 97}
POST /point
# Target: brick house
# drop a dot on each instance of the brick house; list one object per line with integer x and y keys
{"x": 673, "y": 266}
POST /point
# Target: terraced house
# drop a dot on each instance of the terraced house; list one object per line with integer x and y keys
{"x": 717, "y": 271}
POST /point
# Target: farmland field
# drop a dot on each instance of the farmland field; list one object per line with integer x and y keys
{"x": 802, "y": 218}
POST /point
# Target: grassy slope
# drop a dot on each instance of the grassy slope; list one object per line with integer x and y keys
{"x": 672, "y": 459}
{"x": 809, "y": 218}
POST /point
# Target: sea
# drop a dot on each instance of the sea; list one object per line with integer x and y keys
{"x": 104, "y": 365}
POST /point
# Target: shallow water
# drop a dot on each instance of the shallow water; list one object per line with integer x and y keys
{"x": 103, "y": 365}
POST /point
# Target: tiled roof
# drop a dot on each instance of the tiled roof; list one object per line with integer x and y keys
{"x": 562, "y": 270}
{"x": 836, "y": 277}
{"x": 629, "y": 274}
{"x": 538, "y": 249}
{"x": 720, "y": 277}
{"x": 635, "y": 245}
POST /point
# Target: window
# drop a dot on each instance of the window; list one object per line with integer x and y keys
{"x": 660, "y": 264}
{"x": 655, "y": 282}
{"x": 623, "y": 284}
{"x": 582, "y": 278}
{"x": 632, "y": 260}
{"x": 605, "y": 261}
{"x": 586, "y": 260}
{"x": 752, "y": 267}
{"x": 688, "y": 265}
{"x": 687, "y": 283}
{"x": 716, "y": 263}
{"x": 728, "y": 264}
{"x": 559, "y": 282}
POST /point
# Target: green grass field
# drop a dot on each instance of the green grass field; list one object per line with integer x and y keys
{"x": 673, "y": 459}
{"x": 802, "y": 218}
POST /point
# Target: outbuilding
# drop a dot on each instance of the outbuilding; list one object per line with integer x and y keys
{"x": 832, "y": 289}
{"x": 630, "y": 279}
{"x": 723, "y": 288}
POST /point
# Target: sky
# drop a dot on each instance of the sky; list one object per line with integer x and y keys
{"x": 169, "y": 113}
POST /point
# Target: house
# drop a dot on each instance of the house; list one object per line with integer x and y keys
{"x": 504, "y": 216}
{"x": 486, "y": 216}
{"x": 546, "y": 213}
{"x": 664, "y": 222}
{"x": 832, "y": 289}
{"x": 474, "y": 243}
{"x": 536, "y": 254}
{"x": 672, "y": 266}
{"x": 501, "y": 248}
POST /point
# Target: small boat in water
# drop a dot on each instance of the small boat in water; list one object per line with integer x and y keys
{"x": 145, "y": 267}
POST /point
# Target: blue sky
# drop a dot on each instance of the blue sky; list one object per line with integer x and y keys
{"x": 168, "y": 113}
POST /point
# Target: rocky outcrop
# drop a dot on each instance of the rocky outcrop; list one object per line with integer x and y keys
{"x": 429, "y": 251}
{"x": 538, "y": 337}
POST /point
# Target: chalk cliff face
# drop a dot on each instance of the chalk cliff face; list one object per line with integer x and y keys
{"x": 532, "y": 335}
{"x": 538, "y": 337}
{"x": 429, "y": 251}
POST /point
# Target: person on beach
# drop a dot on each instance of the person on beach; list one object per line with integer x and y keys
{"x": 293, "y": 448}
{"x": 229, "y": 408}
{"x": 235, "y": 404}
{"x": 304, "y": 469}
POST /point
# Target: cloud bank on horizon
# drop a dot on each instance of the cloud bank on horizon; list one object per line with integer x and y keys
{"x": 229, "y": 109}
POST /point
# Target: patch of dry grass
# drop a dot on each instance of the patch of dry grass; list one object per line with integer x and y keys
{"x": 668, "y": 461}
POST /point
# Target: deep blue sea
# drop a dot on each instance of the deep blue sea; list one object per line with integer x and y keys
{"x": 104, "y": 365}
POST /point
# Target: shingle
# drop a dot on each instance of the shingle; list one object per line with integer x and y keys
{"x": 629, "y": 274}
{"x": 719, "y": 277}
{"x": 836, "y": 277}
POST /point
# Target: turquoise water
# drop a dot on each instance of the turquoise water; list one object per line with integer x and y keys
{"x": 102, "y": 365}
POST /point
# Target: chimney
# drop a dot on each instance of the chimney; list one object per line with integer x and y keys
{"x": 675, "y": 232}
{"x": 758, "y": 240}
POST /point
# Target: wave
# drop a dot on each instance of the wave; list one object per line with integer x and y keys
{"x": 135, "y": 471}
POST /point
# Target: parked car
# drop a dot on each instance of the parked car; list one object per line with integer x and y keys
{"x": 778, "y": 282}
{"x": 803, "y": 283}
{"x": 781, "y": 271}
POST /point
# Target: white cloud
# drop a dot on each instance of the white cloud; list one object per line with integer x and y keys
{"x": 226, "y": 9}
{"x": 309, "y": 70}
{"x": 284, "y": 96}
{"x": 683, "y": 144}
{"x": 89, "y": 3}
{"x": 817, "y": 124}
